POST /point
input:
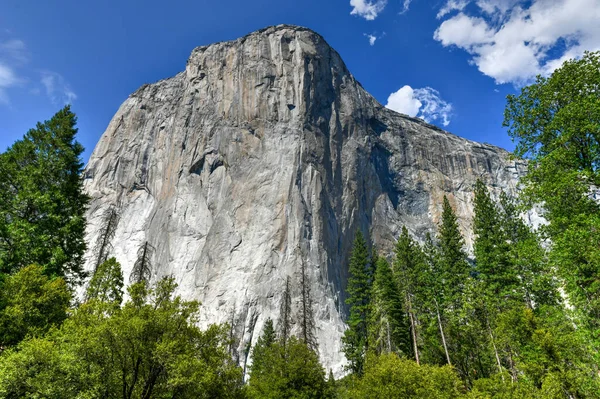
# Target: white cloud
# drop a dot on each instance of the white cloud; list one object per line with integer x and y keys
{"x": 7, "y": 80}
{"x": 405, "y": 6}
{"x": 368, "y": 9}
{"x": 452, "y": 5}
{"x": 512, "y": 41}
{"x": 15, "y": 50}
{"x": 424, "y": 103}
{"x": 372, "y": 39}
{"x": 57, "y": 89}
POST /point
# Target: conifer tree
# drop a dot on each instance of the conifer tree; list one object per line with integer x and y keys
{"x": 42, "y": 202}
{"x": 104, "y": 245}
{"x": 306, "y": 313}
{"x": 142, "y": 268}
{"x": 408, "y": 267}
{"x": 355, "y": 337}
{"x": 453, "y": 270}
{"x": 285, "y": 313}
{"x": 388, "y": 328}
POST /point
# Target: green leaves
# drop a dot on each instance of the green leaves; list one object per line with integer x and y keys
{"x": 359, "y": 296}
{"x": 150, "y": 347}
{"x": 31, "y": 304}
{"x": 285, "y": 371}
{"x": 42, "y": 203}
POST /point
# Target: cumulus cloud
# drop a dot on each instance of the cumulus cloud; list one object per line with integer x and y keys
{"x": 57, "y": 89}
{"x": 424, "y": 103}
{"x": 513, "y": 40}
{"x": 368, "y": 9}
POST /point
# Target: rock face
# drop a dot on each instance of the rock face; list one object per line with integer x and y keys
{"x": 263, "y": 154}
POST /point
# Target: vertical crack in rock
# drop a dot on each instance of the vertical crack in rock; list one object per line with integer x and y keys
{"x": 263, "y": 145}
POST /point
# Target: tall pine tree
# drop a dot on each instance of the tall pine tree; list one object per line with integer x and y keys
{"x": 388, "y": 327}
{"x": 355, "y": 341}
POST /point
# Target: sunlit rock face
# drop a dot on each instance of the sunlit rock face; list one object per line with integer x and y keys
{"x": 266, "y": 152}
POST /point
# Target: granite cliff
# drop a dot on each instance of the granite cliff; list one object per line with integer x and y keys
{"x": 263, "y": 154}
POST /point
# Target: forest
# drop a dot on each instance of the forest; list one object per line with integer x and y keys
{"x": 517, "y": 318}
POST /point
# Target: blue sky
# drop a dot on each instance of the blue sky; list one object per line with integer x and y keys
{"x": 451, "y": 62}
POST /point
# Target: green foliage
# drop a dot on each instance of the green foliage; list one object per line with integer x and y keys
{"x": 389, "y": 377}
{"x": 30, "y": 304}
{"x": 42, "y": 203}
{"x": 106, "y": 285}
{"x": 285, "y": 372}
{"x": 149, "y": 348}
{"x": 453, "y": 267}
{"x": 556, "y": 123}
{"x": 355, "y": 337}
{"x": 409, "y": 274}
{"x": 388, "y": 327}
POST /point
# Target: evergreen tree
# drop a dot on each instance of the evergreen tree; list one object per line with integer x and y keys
{"x": 285, "y": 313}
{"x": 454, "y": 271}
{"x": 103, "y": 245}
{"x": 306, "y": 313}
{"x": 454, "y": 267}
{"x": 142, "y": 268}
{"x": 354, "y": 341}
{"x": 388, "y": 328}
{"x": 491, "y": 248}
{"x": 42, "y": 203}
{"x": 408, "y": 267}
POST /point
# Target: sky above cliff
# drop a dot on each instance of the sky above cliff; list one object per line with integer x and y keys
{"x": 450, "y": 62}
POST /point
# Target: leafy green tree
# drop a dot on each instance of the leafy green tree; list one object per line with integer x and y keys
{"x": 354, "y": 341}
{"x": 388, "y": 327}
{"x": 290, "y": 371}
{"x": 556, "y": 124}
{"x": 31, "y": 303}
{"x": 389, "y": 377}
{"x": 42, "y": 203}
{"x": 149, "y": 348}
{"x": 106, "y": 285}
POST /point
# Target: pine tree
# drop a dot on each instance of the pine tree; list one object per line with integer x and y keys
{"x": 142, "y": 268}
{"x": 103, "y": 245}
{"x": 388, "y": 328}
{"x": 42, "y": 202}
{"x": 408, "y": 266}
{"x": 491, "y": 248}
{"x": 355, "y": 337}
{"x": 285, "y": 313}
{"x": 306, "y": 313}
{"x": 453, "y": 270}
{"x": 453, "y": 260}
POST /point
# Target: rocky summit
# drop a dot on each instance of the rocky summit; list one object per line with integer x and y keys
{"x": 265, "y": 157}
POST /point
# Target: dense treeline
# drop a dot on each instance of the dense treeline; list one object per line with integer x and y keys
{"x": 517, "y": 318}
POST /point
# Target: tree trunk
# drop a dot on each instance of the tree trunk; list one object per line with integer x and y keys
{"x": 413, "y": 329}
{"x": 495, "y": 351}
{"x": 439, "y": 318}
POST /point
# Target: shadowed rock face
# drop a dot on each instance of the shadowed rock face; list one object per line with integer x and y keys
{"x": 263, "y": 152}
